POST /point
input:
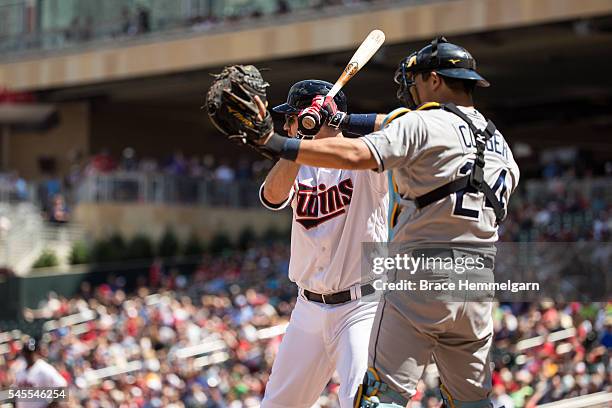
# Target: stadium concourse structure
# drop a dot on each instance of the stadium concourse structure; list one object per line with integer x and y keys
{"x": 545, "y": 59}
{"x": 143, "y": 89}
{"x": 547, "y": 62}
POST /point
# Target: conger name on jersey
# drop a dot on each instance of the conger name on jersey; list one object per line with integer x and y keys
{"x": 318, "y": 204}
{"x": 496, "y": 144}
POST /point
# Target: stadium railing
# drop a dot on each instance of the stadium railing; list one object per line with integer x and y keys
{"x": 20, "y": 233}
{"x": 541, "y": 190}
{"x": 164, "y": 188}
{"x": 598, "y": 399}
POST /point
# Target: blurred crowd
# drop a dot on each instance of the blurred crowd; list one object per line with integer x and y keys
{"x": 56, "y": 195}
{"x": 47, "y": 194}
{"x": 235, "y": 305}
{"x": 561, "y": 206}
{"x": 140, "y": 20}
{"x": 228, "y": 301}
{"x": 253, "y": 11}
{"x": 206, "y": 167}
{"x": 13, "y": 187}
{"x": 562, "y": 210}
{"x": 550, "y": 371}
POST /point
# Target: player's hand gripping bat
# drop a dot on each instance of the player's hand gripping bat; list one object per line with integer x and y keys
{"x": 369, "y": 46}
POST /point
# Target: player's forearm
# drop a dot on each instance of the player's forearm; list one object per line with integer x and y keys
{"x": 336, "y": 153}
{"x": 280, "y": 180}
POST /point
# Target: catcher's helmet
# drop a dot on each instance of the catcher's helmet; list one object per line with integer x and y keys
{"x": 445, "y": 58}
{"x": 301, "y": 94}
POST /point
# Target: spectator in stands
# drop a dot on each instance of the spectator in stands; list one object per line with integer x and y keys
{"x": 127, "y": 23}
{"x": 128, "y": 160}
{"x": 224, "y": 173}
{"x": 500, "y": 398}
{"x": 148, "y": 165}
{"x": 72, "y": 31}
{"x": 177, "y": 164}
{"x": 58, "y": 213}
{"x": 156, "y": 273}
{"x": 20, "y": 186}
{"x": 606, "y": 338}
{"x": 244, "y": 170}
{"x": 144, "y": 17}
{"x": 202, "y": 23}
{"x": 47, "y": 189}
{"x": 563, "y": 210}
{"x": 194, "y": 168}
{"x": 282, "y": 7}
{"x": 228, "y": 301}
{"x": 208, "y": 163}
{"x": 552, "y": 170}
{"x": 102, "y": 162}
{"x": 86, "y": 32}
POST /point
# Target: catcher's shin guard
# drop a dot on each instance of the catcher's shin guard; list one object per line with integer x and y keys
{"x": 449, "y": 402}
{"x": 372, "y": 390}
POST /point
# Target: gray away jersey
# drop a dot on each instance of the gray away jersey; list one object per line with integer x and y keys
{"x": 429, "y": 148}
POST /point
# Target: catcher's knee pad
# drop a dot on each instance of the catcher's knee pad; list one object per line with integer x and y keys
{"x": 372, "y": 389}
{"x": 449, "y": 402}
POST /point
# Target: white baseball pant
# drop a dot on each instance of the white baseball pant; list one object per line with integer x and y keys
{"x": 320, "y": 339}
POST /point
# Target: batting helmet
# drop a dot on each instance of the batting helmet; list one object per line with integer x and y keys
{"x": 447, "y": 59}
{"x": 301, "y": 94}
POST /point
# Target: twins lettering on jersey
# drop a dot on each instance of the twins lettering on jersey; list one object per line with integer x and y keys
{"x": 318, "y": 204}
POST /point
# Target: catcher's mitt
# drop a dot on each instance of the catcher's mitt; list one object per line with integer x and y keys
{"x": 231, "y": 106}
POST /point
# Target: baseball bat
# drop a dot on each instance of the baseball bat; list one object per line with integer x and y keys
{"x": 366, "y": 50}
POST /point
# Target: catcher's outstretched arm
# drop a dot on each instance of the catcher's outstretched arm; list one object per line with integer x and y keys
{"x": 333, "y": 152}
{"x": 336, "y": 153}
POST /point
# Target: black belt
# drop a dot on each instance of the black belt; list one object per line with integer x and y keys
{"x": 338, "y": 297}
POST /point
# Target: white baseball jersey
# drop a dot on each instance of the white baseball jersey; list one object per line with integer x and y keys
{"x": 429, "y": 148}
{"x": 333, "y": 212}
{"x": 41, "y": 374}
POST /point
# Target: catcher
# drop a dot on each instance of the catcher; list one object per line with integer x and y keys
{"x": 455, "y": 173}
{"x": 333, "y": 210}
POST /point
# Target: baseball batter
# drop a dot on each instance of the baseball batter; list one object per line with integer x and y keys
{"x": 333, "y": 211}
{"x": 454, "y": 172}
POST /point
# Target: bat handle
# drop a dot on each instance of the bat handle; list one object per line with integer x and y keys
{"x": 335, "y": 89}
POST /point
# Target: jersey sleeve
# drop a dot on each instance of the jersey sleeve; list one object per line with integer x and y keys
{"x": 397, "y": 144}
{"x": 48, "y": 376}
{"x": 55, "y": 379}
{"x": 273, "y": 206}
{"x": 515, "y": 172}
